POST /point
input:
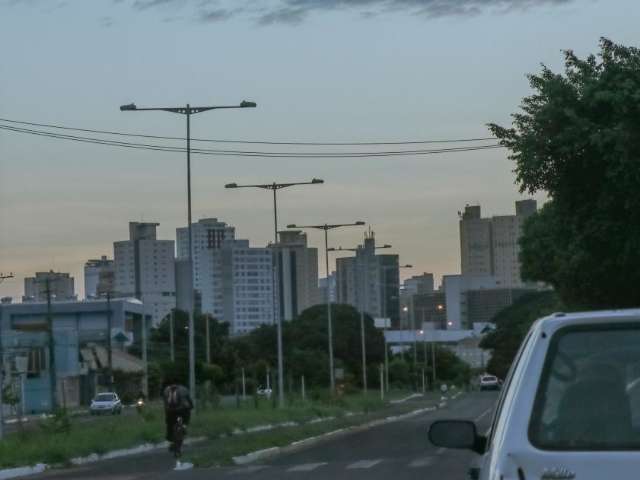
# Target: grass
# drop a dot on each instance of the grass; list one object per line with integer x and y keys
{"x": 101, "y": 435}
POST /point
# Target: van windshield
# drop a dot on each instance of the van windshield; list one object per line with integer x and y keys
{"x": 589, "y": 394}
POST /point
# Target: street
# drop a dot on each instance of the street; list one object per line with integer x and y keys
{"x": 398, "y": 449}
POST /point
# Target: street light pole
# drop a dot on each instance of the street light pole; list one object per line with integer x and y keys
{"x": 188, "y": 110}
{"x": 275, "y": 186}
{"x": 2, "y": 277}
{"x": 326, "y": 227}
{"x": 363, "y": 304}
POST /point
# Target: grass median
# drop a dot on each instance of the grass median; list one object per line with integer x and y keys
{"x": 84, "y": 436}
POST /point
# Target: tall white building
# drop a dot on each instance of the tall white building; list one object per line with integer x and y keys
{"x": 145, "y": 268}
{"x": 370, "y": 280}
{"x": 61, "y": 287}
{"x": 297, "y": 267}
{"x": 233, "y": 279}
{"x": 99, "y": 276}
{"x": 489, "y": 246}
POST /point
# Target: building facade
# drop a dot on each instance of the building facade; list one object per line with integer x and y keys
{"x": 370, "y": 282}
{"x": 145, "y": 269}
{"x": 297, "y": 274}
{"x": 99, "y": 277}
{"x": 82, "y": 334}
{"x": 61, "y": 287}
{"x": 489, "y": 246}
{"x": 233, "y": 281}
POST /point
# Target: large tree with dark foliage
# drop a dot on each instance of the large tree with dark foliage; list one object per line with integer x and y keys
{"x": 577, "y": 138}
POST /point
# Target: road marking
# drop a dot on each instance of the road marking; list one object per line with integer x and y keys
{"x": 422, "y": 462}
{"x": 440, "y": 451}
{"x": 247, "y": 470}
{"x": 488, "y": 410}
{"x": 363, "y": 464}
{"x": 306, "y": 467}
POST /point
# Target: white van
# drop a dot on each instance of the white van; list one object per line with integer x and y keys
{"x": 569, "y": 408}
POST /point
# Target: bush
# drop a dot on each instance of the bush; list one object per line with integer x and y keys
{"x": 59, "y": 422}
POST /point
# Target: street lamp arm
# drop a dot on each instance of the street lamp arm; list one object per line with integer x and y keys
{"x": 185, "y": 110}
{"x": 275, "y": 185}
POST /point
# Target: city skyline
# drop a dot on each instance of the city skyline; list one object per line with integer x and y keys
{"x": 63, "y": 203}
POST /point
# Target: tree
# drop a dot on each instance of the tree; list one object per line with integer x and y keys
{"x": 577, "y": 138}
{"x": 512, "y": 324}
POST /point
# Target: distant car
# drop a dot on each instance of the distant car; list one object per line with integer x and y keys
{"x": 108, "y": 402}
{"x": 264, "y": 392}
{"x": 489, "y": 382}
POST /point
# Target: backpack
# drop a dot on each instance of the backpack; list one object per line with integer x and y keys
{"x": 173, "y": 398}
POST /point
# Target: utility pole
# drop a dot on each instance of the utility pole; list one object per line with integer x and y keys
{"x": 277, "y": 317}
{"x": 52, "y": 349}
{"x": 172, "y": 353}
{"x": 244, "y": 386}
{"x": 208, "y": 339}
{"x": 326, "y": 227}
{"x": 2, "y": 278}
{"x": 145, "y": 378}
{"x": 187, "y": 111}
{"x": 109, "y": 346}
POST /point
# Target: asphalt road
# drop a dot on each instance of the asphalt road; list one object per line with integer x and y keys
{"x": 398, "y": 450}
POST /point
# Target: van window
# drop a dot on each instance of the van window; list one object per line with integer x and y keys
{"x": 589, "y": 393}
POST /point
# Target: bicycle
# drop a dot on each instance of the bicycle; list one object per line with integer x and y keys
{"x": 179, "y": 432}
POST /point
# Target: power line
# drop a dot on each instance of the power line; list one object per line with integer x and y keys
{"x": 259, "y": 142}
{"x": 243, "y": 153}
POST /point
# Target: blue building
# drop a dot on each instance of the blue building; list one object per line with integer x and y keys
{"x": 81, "y": 335}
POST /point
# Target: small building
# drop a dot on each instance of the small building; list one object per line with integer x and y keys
{"x": 82, "y": 334}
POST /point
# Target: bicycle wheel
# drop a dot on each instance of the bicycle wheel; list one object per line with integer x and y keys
{"x": 178, "y": 437}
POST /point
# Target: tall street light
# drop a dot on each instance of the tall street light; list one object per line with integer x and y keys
{"x": 384, "y": 311}
{"x": 326, "y": 227}
{"x": 187, "y": 111}
{"x": 363, "y": 305}
{"x": 275, "y": 187}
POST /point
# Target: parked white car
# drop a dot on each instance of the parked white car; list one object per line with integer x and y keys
{"x": 107, "y": 402}
{"x": 264, "y": 392}
{"x": 569, "y": 408}
{"x": 489, "y": 382}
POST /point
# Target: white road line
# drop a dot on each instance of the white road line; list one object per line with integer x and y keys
{"x": 422, "y": 462}
{"x": 306, "y": 467}
{"x": 440, "y": 451}
{"x": 247, "y": 470}
{"x": 488, "y": 410}
{"x": 363, "y": 464}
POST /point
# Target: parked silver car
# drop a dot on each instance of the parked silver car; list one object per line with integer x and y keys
{"x": 107, "y": 402}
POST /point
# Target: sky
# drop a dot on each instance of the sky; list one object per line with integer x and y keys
{"x": 319, "y": 70}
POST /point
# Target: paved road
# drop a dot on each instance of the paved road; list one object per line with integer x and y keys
{"x": 398, "y": 450}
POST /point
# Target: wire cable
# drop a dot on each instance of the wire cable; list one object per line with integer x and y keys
{"x": 243, "y": 153}
{"x": 259, "y": 142}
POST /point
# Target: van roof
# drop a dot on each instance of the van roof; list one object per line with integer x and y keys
{"x": 562, "y": 319}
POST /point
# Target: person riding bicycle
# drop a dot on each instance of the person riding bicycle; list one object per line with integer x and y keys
{"x": 177, "y": 404}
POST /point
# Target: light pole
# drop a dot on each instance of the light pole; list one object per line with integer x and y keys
{"x": 188, "y": 110}
{"x": 363, "y": 305}
{"x": 326, "y": 227}
{"x": 275, "y": 187}
{"x": 384, "y": 311}
{"x": 2, "y": 277}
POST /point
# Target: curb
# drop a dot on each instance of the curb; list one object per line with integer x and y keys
{"x": 271, "y": 452}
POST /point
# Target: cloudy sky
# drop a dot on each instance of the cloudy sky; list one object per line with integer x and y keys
{"x": 320, "y": 70}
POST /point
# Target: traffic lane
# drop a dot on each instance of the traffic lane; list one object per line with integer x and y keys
{"x": 398, "y": 450}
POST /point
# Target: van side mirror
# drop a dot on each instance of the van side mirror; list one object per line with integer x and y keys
{"x": 460, "y": 434}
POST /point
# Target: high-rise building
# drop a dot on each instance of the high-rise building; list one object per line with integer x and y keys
{"x": 207, "y": 234}
{"x": 61, "y": 287}
{"x": 330, "y": 283}
{"x": 489, "y": 246}
{"x": 419, "y": 284}
{"x": 233, "y": 281}
{"x": 145, "y": 268}
{"x": 370, "y": 280}
{"x": 99, "y": 277}
{"x": 297, "y": 274}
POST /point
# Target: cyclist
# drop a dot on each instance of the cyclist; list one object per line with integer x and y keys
{"x": 177, "y": 404}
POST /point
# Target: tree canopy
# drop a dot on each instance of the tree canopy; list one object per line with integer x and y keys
{"x": 577, "y": 138}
